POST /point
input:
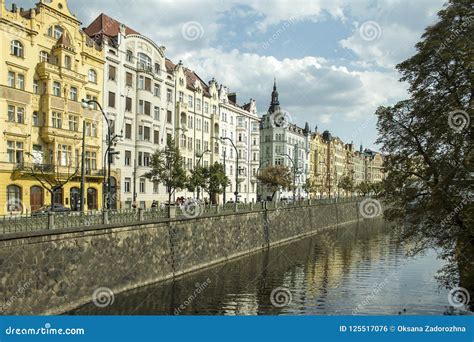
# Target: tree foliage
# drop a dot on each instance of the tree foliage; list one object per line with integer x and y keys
{"x": 276, "y": 177}
{"x": 429, "y": 139}
{"x": 167, "y": 167}
{"x": 346, "y": 183}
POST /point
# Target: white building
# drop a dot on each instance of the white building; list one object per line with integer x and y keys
{"x": 139, "y": 100}
{"x": 284, "y": 143}
{"x": 241, "y": 126}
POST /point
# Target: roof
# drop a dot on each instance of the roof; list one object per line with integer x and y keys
{"x": 169, "y": 65}
{"x": 105, "y": 25}
{"x": 192, "y": 77}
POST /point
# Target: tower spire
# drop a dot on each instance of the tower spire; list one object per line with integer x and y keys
{"x": 275, "y": 103}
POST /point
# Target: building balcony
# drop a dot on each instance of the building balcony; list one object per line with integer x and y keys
{"x": 45, "y": 69}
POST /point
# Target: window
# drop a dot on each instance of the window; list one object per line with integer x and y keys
{"x": 148, "y": 83}
{"x": 206, "y": 126}
{"x": 206, "y": 145}
{"x": 64, "y": 155}
{"x": 35, "y": 87}
{"x": 128, "y": 157}
{"x": 146, "y": 133}
{"x": 73, "y": 94}
{"x": 20, "y": 114}
{"x": 14, "y": 197}
{"x": 91, "y": 160}
{"x": 92, "y": 75}
{"x": 15, "y": 151}
{"x": 11, "y": 79}
{"x": 181, "y": 97}
{"x": 127, "y": 185}
{"x": 144, "y": 62}
{"x": 141, "y": 82}
{"x": 112, "y": 72}
{"x": 190, "y": 100}
{"x": 169, "y": 95}
{"x": 190, "y": 143}
{"x": 90, "y": 97}
{"x": 142, "y": 185}
{"x": 55, "y": 31}
{"x": 16, "y": 48}
{"x": 129, "y": 79}
{"x": 35, "y": 118}
{"x": 190, "y": 121}
{"x": 206, "y": 107}
{"x": 146, "y": 159}
{"x": 128, "y": 104}
{"x": 128, "y": 131}
{"x": 56, "y": 120}
{"x": 198, "y": 124}
{"x": 56, "y": 88}
{"x": 73, "y": 123}
{"x": 21, "y": 82}
{"x": 157, "y": 90}
{"x": 67, "y": 62}
{"x": 111, "y": 99}
{"x": 198, "y": 104}
{"x": 156, "y": 137}
{"x": 156, "y": 113}
{"x": 129, "y": 56}
{"x": 44, "y": 56}
{"x": 169, "y": 116}
{"x": 182, "y": 140}
{"x": 198, "y": 145}
{"x": 214, "y": 109}
{"x": 157, "y": 68}
{"x": 144, "y": 107}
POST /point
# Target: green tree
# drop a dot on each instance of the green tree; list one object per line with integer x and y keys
{"x": 197, "y": 179}
{"x": 429, "y": 142}
{"x": 215, "y": 181}
{"x": 276, "y": 177}
{"x": 167, "y": 167}
{"x": 376, "y": 188}
{"x": 346, "y": 183}
{"x": 363, "y": 188}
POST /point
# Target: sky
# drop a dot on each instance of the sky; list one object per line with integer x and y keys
{"x": 333, "y": 60}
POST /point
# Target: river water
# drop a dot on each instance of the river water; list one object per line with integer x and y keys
{"x": 354, "y": 269}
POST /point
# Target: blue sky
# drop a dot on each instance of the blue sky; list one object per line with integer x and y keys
{"x": 333, "y": 59}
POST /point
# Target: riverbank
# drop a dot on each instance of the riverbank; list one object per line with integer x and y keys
{"x": 58, "y": 271}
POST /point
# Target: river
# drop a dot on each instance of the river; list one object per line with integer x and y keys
{"x": 353, "y": 269}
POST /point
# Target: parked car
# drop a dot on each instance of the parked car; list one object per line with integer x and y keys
{"x": 56, "y": 208}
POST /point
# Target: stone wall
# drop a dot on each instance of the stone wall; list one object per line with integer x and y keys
{"x": 52, "y": 272}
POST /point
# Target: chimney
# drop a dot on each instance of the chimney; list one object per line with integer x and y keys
{"x": 14, "y": 8}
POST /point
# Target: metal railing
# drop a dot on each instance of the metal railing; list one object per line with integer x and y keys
{"x": 53, "y": 220}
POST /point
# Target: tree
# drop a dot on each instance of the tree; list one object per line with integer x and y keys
{"x": 309, "y": 187}
{"x": 215, "y": 181}
{"x": 363, "y": 188}
{"x": 346, "y": 183}
{"x": 376, "y": 188}
{"x": 197, "y": 180}
{"x": 167, "y": 167}
{"x": 429, "y": 142}
{"x": 276, "y": 177}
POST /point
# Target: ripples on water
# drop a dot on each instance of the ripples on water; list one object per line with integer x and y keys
{"x": 354, "y": 269}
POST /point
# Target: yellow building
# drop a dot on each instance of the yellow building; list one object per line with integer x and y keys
{"x": 47, "y": 66}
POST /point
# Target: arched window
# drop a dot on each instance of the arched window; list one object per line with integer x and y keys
{"x": 92, "y": 76}
{"x": 14, "y": 203}
{"x": 55, "y": 31}
{"x": 144, "y": 61}
{"x": 16, "y": 48}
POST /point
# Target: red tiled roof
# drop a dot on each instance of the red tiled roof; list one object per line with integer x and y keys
{"x": 106, "y": 25}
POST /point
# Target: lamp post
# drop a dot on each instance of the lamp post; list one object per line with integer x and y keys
{"x": 197, "y": 165}
{"x": 236, "y": 193}
{"x": 109, "y": 152}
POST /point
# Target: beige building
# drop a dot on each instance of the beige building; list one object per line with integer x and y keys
{"x": 48, "y": 65}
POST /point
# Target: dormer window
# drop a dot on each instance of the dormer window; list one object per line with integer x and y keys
{"x": 129, "y": 56}
{"x": 55, "y": 31}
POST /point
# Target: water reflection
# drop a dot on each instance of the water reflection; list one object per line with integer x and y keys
{"x": 354, "y": 269}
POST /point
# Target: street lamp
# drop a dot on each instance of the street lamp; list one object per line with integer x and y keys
{"x": 109, "y": 152}
{"x": 236, "y": 193}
